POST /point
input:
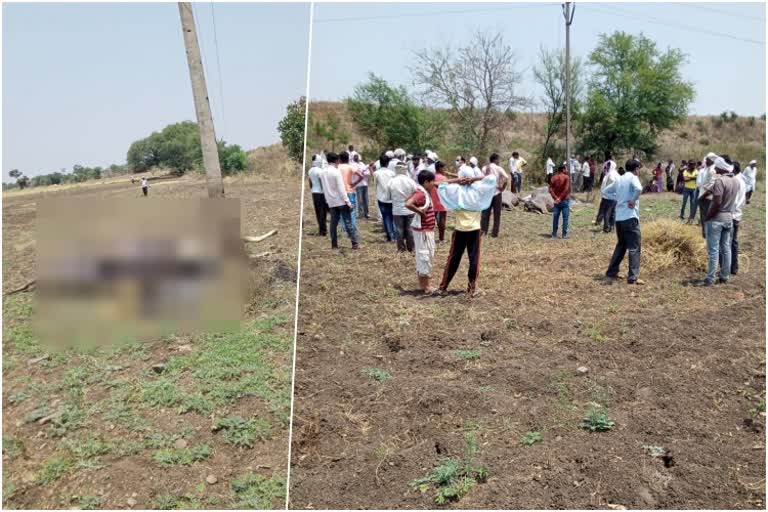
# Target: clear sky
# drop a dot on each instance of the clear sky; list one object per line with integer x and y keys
{"x": 83, "y": 81}
{"x": 350, "y": 40}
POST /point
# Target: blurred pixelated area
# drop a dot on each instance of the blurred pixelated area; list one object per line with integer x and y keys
{"x": 131, "y": 424}
{"x": 110, "y": 270}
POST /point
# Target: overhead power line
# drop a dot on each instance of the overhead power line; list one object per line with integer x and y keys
{"x": 699, "y": 30}
{"x": 218, "y": 67}
{"x": 433, "y": 13}
{"x": 701, "y": 7}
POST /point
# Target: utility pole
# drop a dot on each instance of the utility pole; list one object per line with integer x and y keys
{"x": 202, "y": 105}
{"x": 568, "y": 15}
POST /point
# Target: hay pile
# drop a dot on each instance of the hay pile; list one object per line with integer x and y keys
{"x": 670, "y": 244}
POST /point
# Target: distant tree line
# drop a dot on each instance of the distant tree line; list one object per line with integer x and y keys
{"x": 176, "y": 147}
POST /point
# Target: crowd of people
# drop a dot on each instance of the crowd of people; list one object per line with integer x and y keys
{"x": 414, "y": 194}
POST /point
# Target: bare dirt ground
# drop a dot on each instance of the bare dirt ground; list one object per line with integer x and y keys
{"x": 122, "y": 436}
{"x": 389, "y": 384}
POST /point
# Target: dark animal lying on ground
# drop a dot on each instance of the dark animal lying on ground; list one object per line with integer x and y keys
{"x": 509, "y": 199}
{"x": 539, "y": 201}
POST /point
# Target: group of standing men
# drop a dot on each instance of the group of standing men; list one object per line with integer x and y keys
{"x": 406, "y": 188}
{"x": 411, "y": 210}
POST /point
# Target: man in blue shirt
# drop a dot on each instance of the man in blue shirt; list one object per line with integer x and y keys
{"x": 627, "y": 189}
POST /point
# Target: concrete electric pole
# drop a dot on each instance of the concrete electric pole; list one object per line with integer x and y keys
{"x": 202, "y": 105}
{"x": 568, "y": 14}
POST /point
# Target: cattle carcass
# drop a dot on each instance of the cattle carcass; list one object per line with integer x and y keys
{"x": 539, "y": 201}
{"x": 509, "y": 199}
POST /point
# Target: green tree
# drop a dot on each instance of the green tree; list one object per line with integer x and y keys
{"x": 15, "y": 173}
{"x": 232, "y": 158}
{"x": 22, "y": 182}
{"x": 176, "y": 146}
{"x": 391, "y": 118}
{"x": 291, "y": 128}
{"x": 634, "y": 92}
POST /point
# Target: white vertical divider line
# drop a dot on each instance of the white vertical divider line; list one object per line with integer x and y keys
{"x": 298, "y": 264}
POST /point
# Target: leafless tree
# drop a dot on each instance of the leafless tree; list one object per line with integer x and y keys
{"x": 477, "y": 83}
{"x": 550, "y": 75}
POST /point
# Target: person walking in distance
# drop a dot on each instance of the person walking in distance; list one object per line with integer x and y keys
{"x": 501, "y": 182}
{"x": 145, "y": 186}
{"x": 627, "y": 190}
{"x": 337, "y": 198}
{"x": 560, "y": 190}
{"x": 318, "y": 198}
{"x": 586, "y": 176}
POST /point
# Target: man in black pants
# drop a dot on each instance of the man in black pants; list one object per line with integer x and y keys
{"x": 627, "y": 189}
{"x": 318, "y": 198}
{"x": 466, "y": 237}
{"x": 501, "y": 181}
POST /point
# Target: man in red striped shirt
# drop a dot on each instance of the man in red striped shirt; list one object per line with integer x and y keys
{"x": 423, "y": 227}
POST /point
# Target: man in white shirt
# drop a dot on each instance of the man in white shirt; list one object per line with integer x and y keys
{"x": 501, "y": 182}
{"x": 741, "y": 201}
{"x": 706, "y": 176}
{"x": 750, "y": 178}
{"x": 361, "y": 187}
{"x": 432, "y": 158}
{"x": 607, "y": 210}
{"x": 627, "y": 190}
{"x": 336, "y": 197}
{"x": 144, "y": 185}
{"x": 471, "y": 170}
{"x": 318, "y": 198}
{"x": 516, "y": 164}
{"x": 352, "y": 152}
{"x": 574, "y": 168}
{"x": 401, "y": 187}
{"x": 383, "y": 176}
{"x": 586, "y": 176}
{"x": 550, "y": 169}
{"x": 416, "y": 166}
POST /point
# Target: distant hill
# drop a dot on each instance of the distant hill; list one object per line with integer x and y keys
{"x": 743, "y": 138}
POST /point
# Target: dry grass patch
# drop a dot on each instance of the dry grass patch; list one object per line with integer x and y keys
{"x": 668, "y": 243}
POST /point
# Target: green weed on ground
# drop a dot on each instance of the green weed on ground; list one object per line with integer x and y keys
{"x": 597, "y": 420}
{"x": 254, "y": 491}
{"x": 377, "y": 374}
{"x": 244, "y": 433}
{"x": 454, "y": 478}
{"x": 228, "y": 366}
{"x": 468, "y": 355}
{"x": 182, "y": 456}
{"x": 531, "y": 438}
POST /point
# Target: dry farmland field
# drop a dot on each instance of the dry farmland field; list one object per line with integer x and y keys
{"x": 100, "y": 429}
{"x": 396, "y": 393}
